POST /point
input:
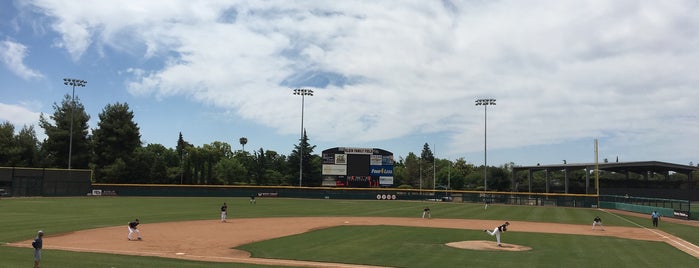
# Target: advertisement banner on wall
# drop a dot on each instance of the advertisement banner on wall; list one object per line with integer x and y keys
{"x": 375, "y": 160}
{"x": 328, "y": 158}
{"x": 386, "y": 181}
{"x": 386, "y": 160}
{"x": 341, "y": 159}
{"x": 328, "y": 181}
{"x": 381, "y": 171}
{"x": 335, "y": 170}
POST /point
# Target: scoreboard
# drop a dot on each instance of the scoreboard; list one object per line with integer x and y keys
{"x": 357, "y": 167}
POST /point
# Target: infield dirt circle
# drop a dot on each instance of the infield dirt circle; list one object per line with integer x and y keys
{"x": 212, "y": 240}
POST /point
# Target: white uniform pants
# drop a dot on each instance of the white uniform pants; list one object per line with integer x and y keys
{"x": 594, "y": 223}
{"x": 496, "y": 233}
{"x": 134, "y": 230}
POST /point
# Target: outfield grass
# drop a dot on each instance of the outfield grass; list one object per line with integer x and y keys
{"x": 390, "y": 246}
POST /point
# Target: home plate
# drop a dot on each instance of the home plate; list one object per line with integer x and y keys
{"x": 179, "y": 253}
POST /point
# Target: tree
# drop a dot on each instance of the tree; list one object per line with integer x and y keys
{"x": 182, "y": 150}
{"x": 243, "y": 141}
{"x": 277, "y": 171}
{"x": 229, "y": 171}
{"x": 156, "y": 164}
{"x": 21, "y": 150}
{"x": 426, "y": 154}
{"x": 427, "y": 165}
{"x": 212, "y": 154}
{"x": 306, "y": 156}
{"x": 117, "y": 137}
{"x": 245, "y": 159}
{"x": 412, "y": 170}
{"x": 460, "y": 170}
{"x": 399, "y": 172}
{"x": 55, "y": 148}
{"x": 26, "y": 148}
{"x": 259, "y": 167}
{"x": 7, "y": 143}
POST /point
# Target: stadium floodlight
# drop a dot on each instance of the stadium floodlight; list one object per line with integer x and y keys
{"x": 74, "y": 83}
{"x": 485, "y": 103}
{"x": 303, "y": 92}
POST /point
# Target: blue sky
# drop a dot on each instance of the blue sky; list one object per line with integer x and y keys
{"x": 386, "y": 74}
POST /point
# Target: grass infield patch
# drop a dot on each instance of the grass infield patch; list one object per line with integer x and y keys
{"x": 398, "y": 246}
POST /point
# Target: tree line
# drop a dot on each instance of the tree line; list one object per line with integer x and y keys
{"x": 114, "y": 151}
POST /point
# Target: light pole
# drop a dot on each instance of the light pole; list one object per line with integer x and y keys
{"x": 74, "y": 83}
{"x": 303, "y": 93}
{"x": 485, "y": 103}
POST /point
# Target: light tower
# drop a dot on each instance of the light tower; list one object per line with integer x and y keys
{"x": 74, "y": 83}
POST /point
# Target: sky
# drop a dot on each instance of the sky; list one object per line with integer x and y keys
{"x": 385, "y": 74}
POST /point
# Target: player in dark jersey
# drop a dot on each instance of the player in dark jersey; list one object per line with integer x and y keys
{"x": 133, "y": 228}
{"x": 38, "y": 243}
{"x": 426, "y": 212}
{"x": 497, "y": 231}
{"x": 224, "y": 212}
{"x": 597, "y": 221}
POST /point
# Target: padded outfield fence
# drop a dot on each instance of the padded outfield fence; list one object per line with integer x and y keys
{"x": 16, "y": 181}
{"x": 668, "y": 207}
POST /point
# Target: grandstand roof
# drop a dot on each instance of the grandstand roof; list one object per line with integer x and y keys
{"x": 635, "y": 167}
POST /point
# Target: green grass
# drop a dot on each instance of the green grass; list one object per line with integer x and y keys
{"x": 424, "y": 247}
{"x": 379, "y": 245}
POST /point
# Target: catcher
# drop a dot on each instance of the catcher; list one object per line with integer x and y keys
{"x": 497, "y": 231}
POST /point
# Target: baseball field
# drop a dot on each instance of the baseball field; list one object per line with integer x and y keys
{"x": 275, "y": 232}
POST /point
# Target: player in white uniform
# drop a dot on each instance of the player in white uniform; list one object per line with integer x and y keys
{"x": 134, "y": 229}
{"x": 426, "y": 212}
{"x": 597, "y": 221}
{"x": 224, "y": 212}
{"x": 497, "y": 231}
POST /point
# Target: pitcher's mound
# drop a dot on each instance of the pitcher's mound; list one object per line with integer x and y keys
{"x": 486, "y": 245}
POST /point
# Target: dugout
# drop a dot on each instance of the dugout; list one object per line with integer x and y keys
{"x": 17, "y": 181}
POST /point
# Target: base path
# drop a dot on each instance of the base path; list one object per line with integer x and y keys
{"x": 212, "y": 240}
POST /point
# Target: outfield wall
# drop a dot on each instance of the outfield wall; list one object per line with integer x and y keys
{"x": 16, "y": 181}
{"x": 668, "y": 207}
{"x": 260, "y": 191}
{"x": 535, "y": 199}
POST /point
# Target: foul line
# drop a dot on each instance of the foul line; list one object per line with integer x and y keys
{"x": 678, "y": 241}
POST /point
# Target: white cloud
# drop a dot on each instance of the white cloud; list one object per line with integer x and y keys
{"x": 18, "y": 115}
{"x": 561, "y": 71}
{"x": 12, "y": 55}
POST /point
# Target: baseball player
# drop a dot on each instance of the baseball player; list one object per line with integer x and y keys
{"x": 38, "y": 243}
{"x": 224, "y": 212}
{"x": 497, "y": 231}
{"x": 655, "y": 216}
{"x": 597, "y": 221}
{"x": 426, "y": 212}
{"x": 252, "y": 199}
{"x": 134, "y": 229}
